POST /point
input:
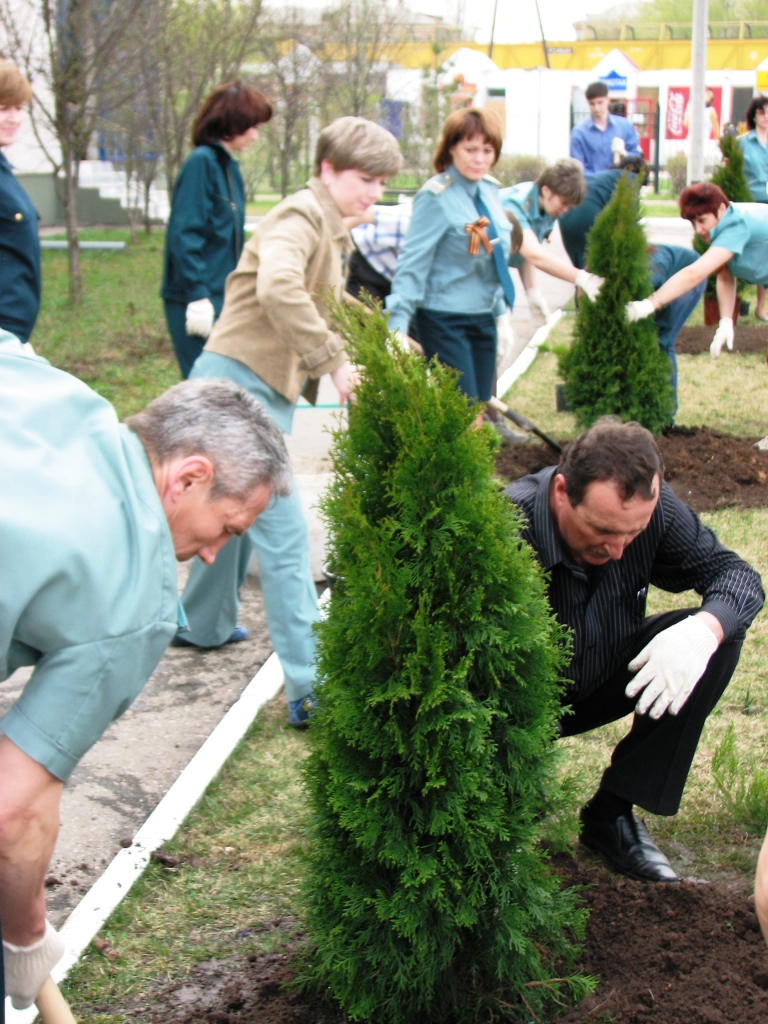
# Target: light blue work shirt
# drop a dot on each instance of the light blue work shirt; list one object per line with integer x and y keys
{"x": 592, "y": 146}
{"x": 743, "y": 230}
{"x": 88, "y": 594}
{"x": 435, "y": 270}
{"x": 523, "y": 201}
{"x": 755, "y": 165}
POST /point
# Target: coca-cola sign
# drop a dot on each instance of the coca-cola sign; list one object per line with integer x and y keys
{"x": 677, "y": 103}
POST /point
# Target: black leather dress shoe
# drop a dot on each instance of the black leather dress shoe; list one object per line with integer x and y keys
{"x": 628, "y": 846}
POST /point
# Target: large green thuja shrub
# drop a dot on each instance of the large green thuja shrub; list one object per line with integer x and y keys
{"x": 615, "y": 367}
{"x": 428, "y": 898}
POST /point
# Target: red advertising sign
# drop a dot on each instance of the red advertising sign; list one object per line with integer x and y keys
{"x": 679, "y": 112}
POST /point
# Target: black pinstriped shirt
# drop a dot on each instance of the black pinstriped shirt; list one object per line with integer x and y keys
{"x": 604, "y": 606}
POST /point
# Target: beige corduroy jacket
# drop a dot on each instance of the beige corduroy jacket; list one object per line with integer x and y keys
{"x": 275, "y": 317}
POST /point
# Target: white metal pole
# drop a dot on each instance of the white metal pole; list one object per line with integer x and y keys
{"x": 698, "y": 133}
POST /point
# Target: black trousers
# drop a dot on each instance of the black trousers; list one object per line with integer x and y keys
{"x": 650, "y": 765}
{"x": 362, "y": 277}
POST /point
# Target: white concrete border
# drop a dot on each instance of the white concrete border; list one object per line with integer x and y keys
{"x": 128, "y": 865}
{"x": 526, "y": 357}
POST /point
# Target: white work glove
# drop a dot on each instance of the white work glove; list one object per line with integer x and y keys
{"x": 537, "y": 302}
{"x": 27, "y": 967}
{"x": 670, "y": 666}
{"x": 590, "y": 284}
{"x": 723, "y": 336}
{"x": 617, "y": 146}
{"x": 505, "y": 337}
{"x": 407, "y": 343}
{"x": 200, "y": 317}
{"x": 639, "y": 310}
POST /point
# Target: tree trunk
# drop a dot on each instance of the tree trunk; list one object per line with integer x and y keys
{"x": 72, "y": 175}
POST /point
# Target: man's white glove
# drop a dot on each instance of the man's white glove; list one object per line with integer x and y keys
{"x": 505, "y": 337}
{"x": 639, "y": 310}
{"x": 200, "y": 317}
{"x": 670, "y": 666}
{"x": 537, "y": 302}
{"x": 723, "y": 336}
{"x": 590, "y": 284}
{"x": 27, "y": 967}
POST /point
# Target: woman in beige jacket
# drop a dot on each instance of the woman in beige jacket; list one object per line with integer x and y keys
{"x": 274, "y": 338}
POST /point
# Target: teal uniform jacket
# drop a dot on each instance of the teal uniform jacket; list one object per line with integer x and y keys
{"x": 435, "y": 270}
{"x": 89, "y": 593}
{"x": 19, "y": 257}
{"x": 755, "y": 166}
{"x": 743, "y": 229}
{"x": 523, "y": 201}
{"x": 204, "y": 238}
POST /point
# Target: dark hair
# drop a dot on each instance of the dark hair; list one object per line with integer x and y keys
{"x": 758, "y": 102}
{"x": 230, "y": 110}
{"x": 596, "y": 89}
{"x": 466, "y": 124}
{"x": 625, "y": 453}
{"x": 564, "y": 179}
{"x": 703, "y": 197}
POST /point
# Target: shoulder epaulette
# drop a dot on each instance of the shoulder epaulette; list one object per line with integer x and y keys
{"x": 493, "y": 181}
{"x": 438, "y": 184}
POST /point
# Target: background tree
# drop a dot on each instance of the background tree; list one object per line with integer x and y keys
{"x": 614, "y": 367}
{"x": 289, "y": 74}
{"x": 72, "y": 53}
{"x": 427, "y": 894}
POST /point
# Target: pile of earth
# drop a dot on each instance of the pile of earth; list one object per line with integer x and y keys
{"x": 705, "y": 468}
{"x": 687, "y": 953}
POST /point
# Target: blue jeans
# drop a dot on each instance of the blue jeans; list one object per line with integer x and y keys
{"x": 211, "y": 598}
{"x": 676, "y": 313}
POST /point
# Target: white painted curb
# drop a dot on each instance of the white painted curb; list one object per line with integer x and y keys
{"x": 526, "y": 357}
{"x": 128, "y": 865}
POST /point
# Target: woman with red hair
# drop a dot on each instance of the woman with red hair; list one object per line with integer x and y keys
{"x": 738, "y": 248}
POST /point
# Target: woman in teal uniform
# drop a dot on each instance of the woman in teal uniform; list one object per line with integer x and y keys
{"x": 754, "y": 146}
{"x": 205, "y": 233}
{"x": 738, "y": 249}
{"x": 19, "y": 242}
{"x": 448, "y": 281}
{"x": 537, "y": 205}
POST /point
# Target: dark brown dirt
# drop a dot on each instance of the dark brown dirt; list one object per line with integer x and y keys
{"x": 708, "y": 470}
{"x": 695, "y": 341}
{"x": 668, "y": 954}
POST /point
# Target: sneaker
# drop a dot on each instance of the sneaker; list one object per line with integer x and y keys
{"x": 239, "y": 633}
{"x": 300, "y": 711}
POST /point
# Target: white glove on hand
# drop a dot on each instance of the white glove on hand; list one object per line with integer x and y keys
{"x": 505, "y": 337}
{"x": 407, "y": 343}
{"x": 200, "y": 316}
{"x": 723, "y": 336}
{"x": 639, "y": 310}
{"x": 617, "y": 146}
{"x": 536, "y": 301}
{"x": 27, "y": 967}
{"x": 670, "y": 666}
{"x": 590, "y": 284}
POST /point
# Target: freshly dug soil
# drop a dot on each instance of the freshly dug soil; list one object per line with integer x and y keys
{"x": 708, "y": 470}
{"x": 693, "y": 341}
{"x": 685, "y": 953}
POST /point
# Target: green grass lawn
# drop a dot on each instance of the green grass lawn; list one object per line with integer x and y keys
{"x": 240, "y": 852}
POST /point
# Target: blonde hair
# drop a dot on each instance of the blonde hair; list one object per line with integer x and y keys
{"x": 15, "y": 90}
{"x": 355, "y": 143}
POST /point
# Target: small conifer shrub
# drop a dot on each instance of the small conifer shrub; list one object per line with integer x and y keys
{"x": 427, "y": 896}
{"x": 615, "y": 367}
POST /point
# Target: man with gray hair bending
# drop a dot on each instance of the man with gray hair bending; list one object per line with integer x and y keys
{"x": 93, "y": 518}
{"x": 605, "y": 526}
